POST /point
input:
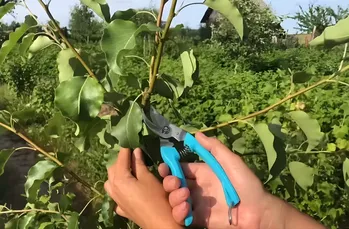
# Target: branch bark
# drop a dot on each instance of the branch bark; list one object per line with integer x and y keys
{"x": 66, "y": 41}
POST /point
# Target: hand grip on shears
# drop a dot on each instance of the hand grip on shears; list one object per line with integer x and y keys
{"x": 171, "y": 157}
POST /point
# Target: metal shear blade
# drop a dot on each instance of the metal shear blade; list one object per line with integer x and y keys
{"x": 162, "y": 127}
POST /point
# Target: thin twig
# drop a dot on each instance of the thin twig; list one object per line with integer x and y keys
{"x": 78, "y": 56}
{"x": 33, "y": 210}
{"x": 340, "y": 82}
{"x": 190, "y": 4}
{"x": 146, "y": 12}
{"x": 265, "y": 110}
{"x": 88, "y": 203}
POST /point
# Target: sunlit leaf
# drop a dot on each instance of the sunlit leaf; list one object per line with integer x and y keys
{"x": 27, "y": 221}
{"x": 310, "y": 127}
{"x": 46, "y": 225}
{"x": 100, "y": 7}
{"x": 119, "y": 38}
{"x": 274, "y": 147}
{"x": 40, "y": 43}
{"x": 36, "y": 175}
{"x": 79, "y": 97}
{"x": 73, "y": 222}
{"x": 6, "y": 8}
{"x": 229, "y": 10}
{"x": 303, "y": 174}
{"x": 189, "y": 64}
{"x": 8, "y": 45}
{"x": 127, "y": 130}
{"x": 107, "y": 211}
{"x": 331, "y": 147}
{"x": 340, "y": 131}
{"x": 304, "y": 76}
{"x": 27, "y": 40}
{"x": 333, "y": 35}
{"x": 69, "y": 66}
{"x": 5, "y": 155}
{"x": 55, "y": 125}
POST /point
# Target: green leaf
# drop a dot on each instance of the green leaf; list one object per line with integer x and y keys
{"x": 128, "y": 128}
{"x": 124, "y": 15}
{"x": 26, "y": 221}
{"x": 346, "y": 171}
{"x": 331, "y": 147}
{"x": 73, "y": 221}
{"x": 14, "y": 37}
{"x": 189, "y": 66}
{"x": 69, "y": 66}
{"x": 345, "y": 108}
{"x": 24, "y": 115}
{"x": 303, "y": 174}
{"x": 12, "y": 224}
{"x": 333, "y": 35}
{"x": 100, "y": 7}
{"x": 132, "y": 81}
{"x": 36, "y": 175}
{"x": 229, "y": 10}
{"x": 304, "y": 76}
{"x": 107, "y": 211}
{"x": 340, "y": 131}
{"x": 239, "y": 145}
{"x": 5, "y": 118}
{"x": 6, "y": 8}
{"x": 310, "y": 127}
{"x": 27, "y": 40}
{"x": 119, "y": 38}
{"x": 5, "y": 155}
{"x": 274, "y": 147}
{"x": 46, "y": 225}
{"x": 40, "y": 43}
{"x": 88, "y": 130}
{"x": 66, "y": 201}
{"x": 168, "y": 87}
{"x": 79, "y": 97}
{"x": 55, "y": 125}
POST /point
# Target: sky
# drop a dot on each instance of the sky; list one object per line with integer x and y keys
{"x": 190, "y": 16}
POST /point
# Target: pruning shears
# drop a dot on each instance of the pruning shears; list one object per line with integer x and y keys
{"x": 176, "y": 143}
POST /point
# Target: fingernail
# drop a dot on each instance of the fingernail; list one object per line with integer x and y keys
{"x": 138, "y": 154}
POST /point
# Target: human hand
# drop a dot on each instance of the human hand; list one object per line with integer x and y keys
{"x": 138, "y": 193}
{"x": 257, "y": 208}
{"x": 209, "y": 205}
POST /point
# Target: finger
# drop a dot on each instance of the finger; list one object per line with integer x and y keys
{"x": 178, "y": 196}
{"x": 223, "y": 155}
{"x": 189, "y": 169}
{"x": 138, "y": 166}
{"x": 122, "y": 165}
{"x": 120, "y": 212}
{"x": 163, "y": 170}
{"x": 180, "y": 212}
{"x": 171, "y": 183}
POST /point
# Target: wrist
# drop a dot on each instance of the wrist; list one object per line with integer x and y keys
{"x": 274, "y": 216}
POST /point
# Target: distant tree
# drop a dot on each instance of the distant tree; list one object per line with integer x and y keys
{"x": 83, "y": 25}
{"x": 318, "y": 17}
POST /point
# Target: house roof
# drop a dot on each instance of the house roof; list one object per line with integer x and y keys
{"x": 209, "y": 11}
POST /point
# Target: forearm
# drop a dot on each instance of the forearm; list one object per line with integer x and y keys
{"x": 281, "y": 215}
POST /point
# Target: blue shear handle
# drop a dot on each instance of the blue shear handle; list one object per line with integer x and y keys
{"x": 231, "y": 196}
{"x": 171, "y": 157}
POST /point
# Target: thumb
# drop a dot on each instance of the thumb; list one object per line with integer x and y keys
{"x": 223, "y": 155}
{"x": 138, "y": 166}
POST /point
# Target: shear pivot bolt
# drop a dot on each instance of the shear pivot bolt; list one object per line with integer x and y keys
{"x": 166, "y": 130}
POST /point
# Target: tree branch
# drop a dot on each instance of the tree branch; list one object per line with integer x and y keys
{"x": 300, "y": 92}
{"x": 78, "y": 56}
{"x": 155, "y": 62}
{"x": 52, "y": 158}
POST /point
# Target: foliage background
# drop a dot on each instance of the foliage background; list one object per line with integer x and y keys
{"x": 232, "y": 81}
